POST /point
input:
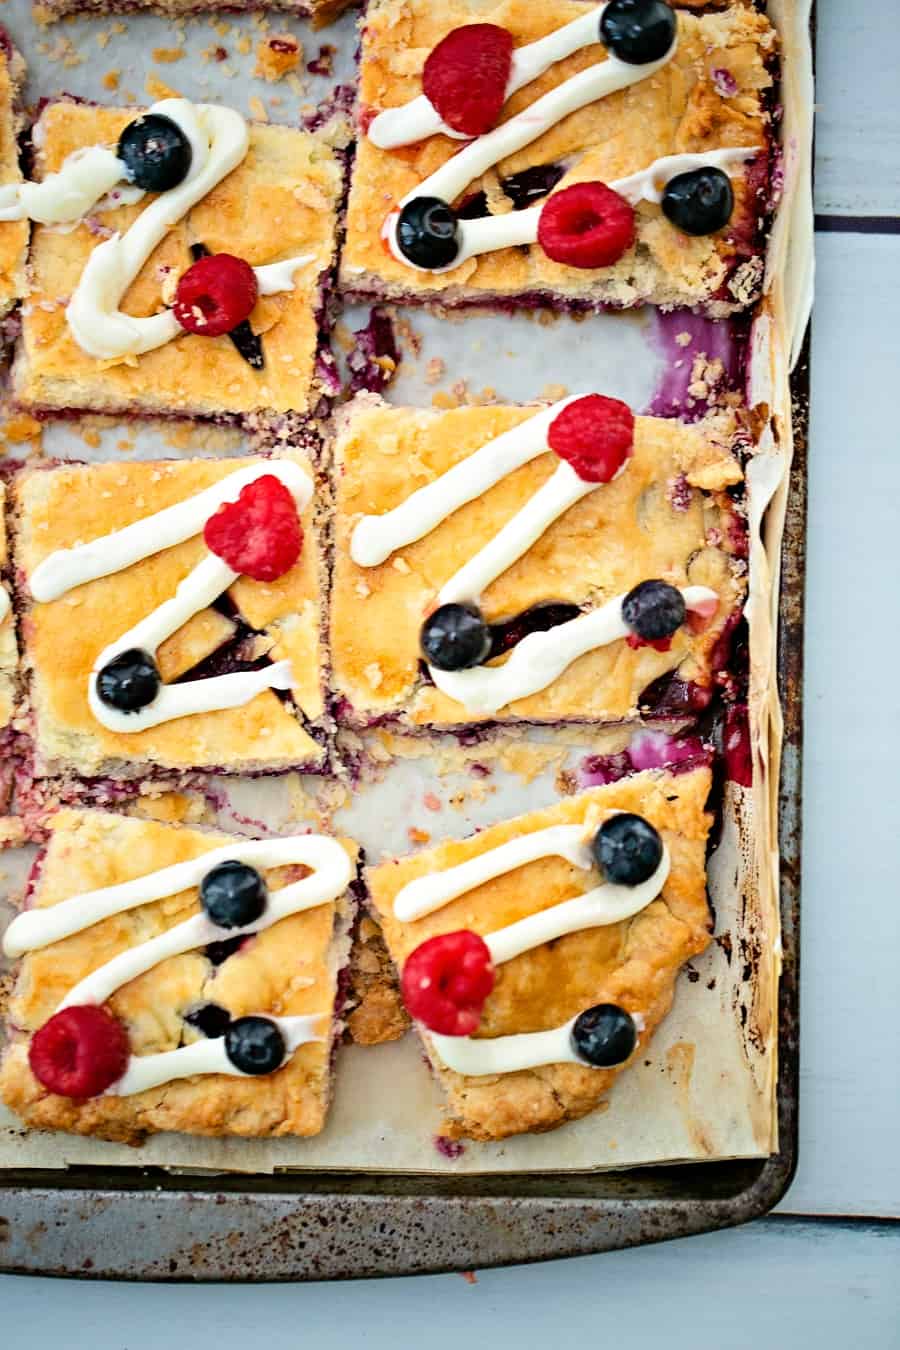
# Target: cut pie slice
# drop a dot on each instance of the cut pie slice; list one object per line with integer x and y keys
{"x": 147, "y": 651}
{"x": 622, "y": 168}
{"x": 482, "y": 576}
{"x": 540, "y": 955}
{"x": 13, "y": 233}
{"x": 177, "y": 979}
{"x": 108, "y": 326}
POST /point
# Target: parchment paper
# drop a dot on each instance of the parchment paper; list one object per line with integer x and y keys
{"x": 706, "y": 1087}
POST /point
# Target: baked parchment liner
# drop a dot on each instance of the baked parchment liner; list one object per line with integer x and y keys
{"x": 706, "y": 1087}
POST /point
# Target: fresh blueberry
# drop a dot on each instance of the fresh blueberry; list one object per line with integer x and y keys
{"x": 455, "y": 637}
{"x": 604, "y": 1035}
{"x": 627, "y": 848}
{"x": 210, "y": 1019}
{"x": 638, "y": 31}
{"x": 129, "y": 682}
{"x": 255, "y": 1045}
{"x": 654, "y": 610}
{"x": 233, "y": 894}
{"x": 699, "y": 202}
{"x": 156, "y": 153}
{"x": 427, "y": 233}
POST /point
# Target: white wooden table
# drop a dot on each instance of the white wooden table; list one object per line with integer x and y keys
{"x": 824, "y": 1270}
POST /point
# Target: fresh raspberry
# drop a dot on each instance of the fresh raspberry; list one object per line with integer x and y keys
{"x": 465, "y": 77}
{"x": 215, "y": 295}
{"x": 259, "y": 535}
{"x": 446, "y": 981}
{"x": 595, "y": 435}
{"x": 586, "y": 225}
{"x": 80, "y": 1052}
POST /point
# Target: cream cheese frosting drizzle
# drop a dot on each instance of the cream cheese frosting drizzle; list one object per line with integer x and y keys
{"x": 4, "y": 603}
{"x": 219, "y": 140}
{"x": 605, "y": 904}
{"x": 65, "y": 569}
{"x": 419, "y": 119}
{"x": 540, "y": 658}
{"x": 34, "y": 929}
{"x": 507, "y": 1054}
{"x": 487, "y": 234}
{"x": 209, "y": 1056}
{"x": 375, "y": 538}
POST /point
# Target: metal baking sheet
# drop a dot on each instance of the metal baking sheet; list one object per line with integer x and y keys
{"x": 324, "y": 1225}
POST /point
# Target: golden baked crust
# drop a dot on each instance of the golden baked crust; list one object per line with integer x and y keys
{"x": 627, "y": 531}
{"x": 13, "y": 233}
{"x": 290, "y": 968}
{"x": 9, "y": 657}
{"x": 321, "y": 12}
{"x": 55, "y": 508}
{"x": 375, "y": 1011}
{"x": 280, "y": 202}
{"x": 686, "y": 106}
{"x": 633, "y": 964}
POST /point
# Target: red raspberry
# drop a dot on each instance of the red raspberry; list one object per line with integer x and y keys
{"x": 595, "y": 435}
{"x": 586, "y": 225}
{"x": 215, "y": 295}
{"x": 260, "y": 534}
{"x": 465, "y": 77}
{"x": 446, "y": 980}
{"x": 80, "y": 1052}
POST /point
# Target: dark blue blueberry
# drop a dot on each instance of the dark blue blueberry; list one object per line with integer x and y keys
{"x": 455, "y": 637}
{"x": 654, "y": 610}
{"x": 255, "y": 1045}
{"x": 129, "y": 682}
{"x": 699, "y": 202}
{"x": 627, "y": 848}
{"x": 427, "y": 233}
{"x": 233, "y": 894}
{"x": 210, "y": 1019}
{"x": 637, "y": 31}
{"x": 604, "y": 1035}
{"x": 156, "y": 153}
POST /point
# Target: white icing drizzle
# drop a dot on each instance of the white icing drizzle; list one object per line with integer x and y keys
{"x": 208, "y": 1056}
{"x": 419, "y": 119}
{"x": 489, "y": 233}
{"x": 426, "y": 894}
{"x": 516, "y": 537}
{"x": 602, "y": 905}
{"x": 4, "y": 603}
{"x": 34, "y": 929}
{"x": 219, "y": 140}
{"x": 507, "y": 1054}
{"x": 540, "y": 658}
{"x": 599, "y": 80}
{"x": 375, "y": 538}
{"x": 65, "y": 569}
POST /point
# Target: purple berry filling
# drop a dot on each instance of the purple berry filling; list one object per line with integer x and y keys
{"x": 523, "y": 189}
{"x": 375, "y": 357}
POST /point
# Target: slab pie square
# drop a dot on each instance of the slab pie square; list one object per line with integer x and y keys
{"x": 280, "y": 202}
{"x": 55, "y": 508}
{"x": 292, "y": 968}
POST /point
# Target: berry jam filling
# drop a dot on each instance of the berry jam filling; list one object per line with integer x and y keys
{"x": 539, "y": 619}
{"x": 375, "y": 356}
{"x": 209, "y": 1019}
{"x": 523, "y": 189}
{"x": 218, "y": 952}
{"x": 648, "y": 750}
